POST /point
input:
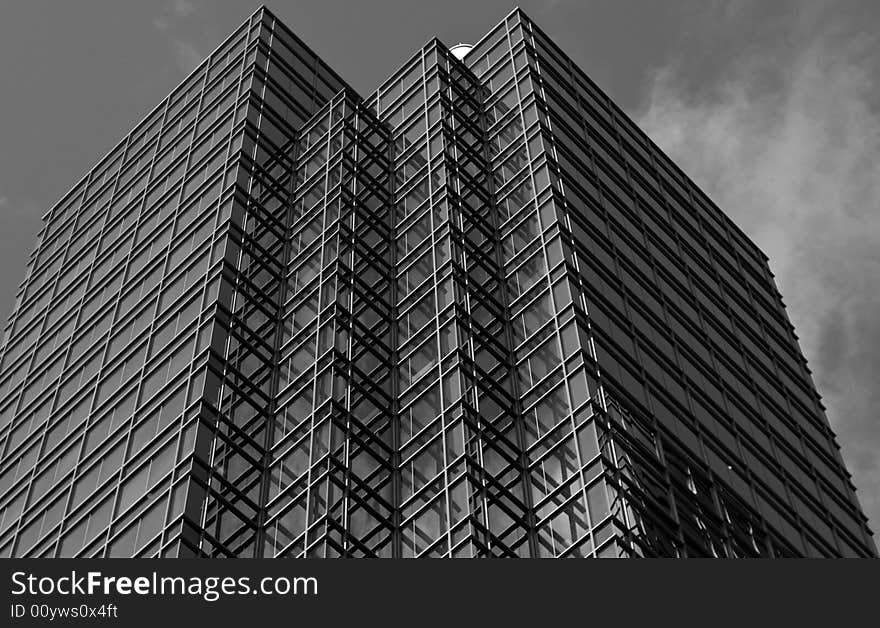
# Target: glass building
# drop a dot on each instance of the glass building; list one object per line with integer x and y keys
{"x": 476, "y": 313}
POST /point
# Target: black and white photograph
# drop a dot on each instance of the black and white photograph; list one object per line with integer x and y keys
{"x": 387, "y": 279}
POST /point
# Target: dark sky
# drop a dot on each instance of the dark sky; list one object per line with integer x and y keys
{"x": 772, "y": 107}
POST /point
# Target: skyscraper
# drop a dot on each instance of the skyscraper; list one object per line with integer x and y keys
{"x": 477, "y": 313}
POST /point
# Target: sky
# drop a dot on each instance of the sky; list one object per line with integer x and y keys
{"x": 773, "y": 108}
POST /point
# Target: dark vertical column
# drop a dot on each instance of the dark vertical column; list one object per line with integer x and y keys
{"x": 552, "y": 350}
{"x": 329, "y": 482}
{"x": 287, "y": 84}
{"x": 502, "y": 517}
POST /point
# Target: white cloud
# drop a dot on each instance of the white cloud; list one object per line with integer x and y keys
{"x": 182, "y": 8}
{"x": 798, "y": 167}
{"x": 186, "y": 53}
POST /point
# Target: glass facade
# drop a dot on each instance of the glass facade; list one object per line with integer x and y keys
{"x": 477, "y": 313}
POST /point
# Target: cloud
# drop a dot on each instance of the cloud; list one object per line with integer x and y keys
{"x": 187, "y": 55}
{"x": 168, "y": 23}
{"x": 3, "y": 201}
{"x": 174, "y": 10}
{"x": 788, "y": 145}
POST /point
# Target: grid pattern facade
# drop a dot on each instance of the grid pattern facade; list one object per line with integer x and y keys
{"x": 135, "y": 342}
{"x": 477, "y": 313}
{"x": 679, "y": 320}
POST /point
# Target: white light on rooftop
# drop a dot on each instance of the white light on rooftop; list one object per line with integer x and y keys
{"x": 460, "y": 50}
